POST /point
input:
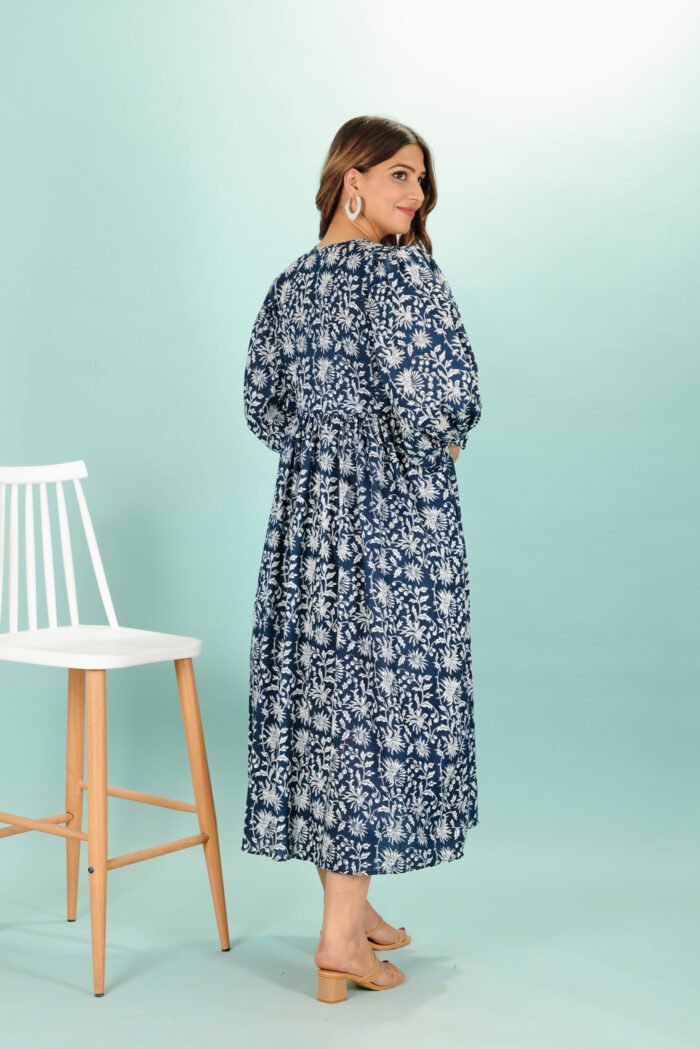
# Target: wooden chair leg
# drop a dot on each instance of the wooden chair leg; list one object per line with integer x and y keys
{"x": 201, "y": 784}
{"x": 75, "y": 745}
{"x": 97, "y": 819}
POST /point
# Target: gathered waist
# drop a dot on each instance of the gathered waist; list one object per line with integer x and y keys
{"x": 370, "y": 412}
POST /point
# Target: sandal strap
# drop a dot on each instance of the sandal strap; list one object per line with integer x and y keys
{"x": 374, "y": 927}
{"x": 374, "y": 970}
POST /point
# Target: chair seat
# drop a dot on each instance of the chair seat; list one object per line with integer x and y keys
{"x": 101, "y": 647}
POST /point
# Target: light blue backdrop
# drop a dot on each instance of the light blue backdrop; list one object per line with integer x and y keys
{"x": 159, "y": 166}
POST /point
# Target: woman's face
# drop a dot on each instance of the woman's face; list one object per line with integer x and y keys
{"x": 391, "y": 191}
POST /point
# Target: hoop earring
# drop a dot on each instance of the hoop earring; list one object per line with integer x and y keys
{"x": 352, "y": 215}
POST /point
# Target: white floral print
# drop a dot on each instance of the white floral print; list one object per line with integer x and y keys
{"x": 361, "y": 749}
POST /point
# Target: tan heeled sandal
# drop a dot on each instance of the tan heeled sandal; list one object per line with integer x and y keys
{"x": 401, "y": 940}
{"x": 333, "y": 987}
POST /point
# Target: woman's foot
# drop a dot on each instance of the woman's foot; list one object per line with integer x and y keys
{"x": 384, "y": 933}
{"x": 351, "y": 956}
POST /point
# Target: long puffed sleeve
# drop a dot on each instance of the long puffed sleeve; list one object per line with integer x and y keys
{"x": 268, "y": 399}
{"x": 424, "y": 359}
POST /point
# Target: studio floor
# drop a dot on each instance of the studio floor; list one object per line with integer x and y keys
{"x": 535, "y": 948}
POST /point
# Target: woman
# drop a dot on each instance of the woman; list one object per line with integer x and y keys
{"x": 361, "y": 375}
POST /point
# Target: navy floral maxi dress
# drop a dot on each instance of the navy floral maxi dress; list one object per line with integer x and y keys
{"x": 361, "y": 753}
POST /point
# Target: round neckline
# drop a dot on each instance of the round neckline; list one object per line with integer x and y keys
{"x": 350, "y": 240}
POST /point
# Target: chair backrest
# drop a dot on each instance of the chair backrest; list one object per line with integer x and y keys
{"x": 29, "y": 477}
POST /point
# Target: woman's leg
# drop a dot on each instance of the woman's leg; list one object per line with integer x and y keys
{"x": 343, "y": 945}
{"x": 385, "y": 933}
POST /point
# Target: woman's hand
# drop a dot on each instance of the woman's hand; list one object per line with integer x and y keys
{"x": 454, "y": 451}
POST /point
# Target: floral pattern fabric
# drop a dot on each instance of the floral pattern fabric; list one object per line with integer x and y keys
{"x": 361, "y": 747}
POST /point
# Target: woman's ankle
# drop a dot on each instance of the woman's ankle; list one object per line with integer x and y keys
{"x": 341, "y": 933}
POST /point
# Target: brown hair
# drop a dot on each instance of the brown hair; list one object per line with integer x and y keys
{"x": 361, "y": 143}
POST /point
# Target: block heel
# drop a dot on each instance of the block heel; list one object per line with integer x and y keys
{"x": 333, "y": 986}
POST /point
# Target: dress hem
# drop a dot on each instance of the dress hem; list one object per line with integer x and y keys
{"x": 456, "y": 853}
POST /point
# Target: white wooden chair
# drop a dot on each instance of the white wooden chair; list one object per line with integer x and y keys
{"x": 88, "y": 652}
